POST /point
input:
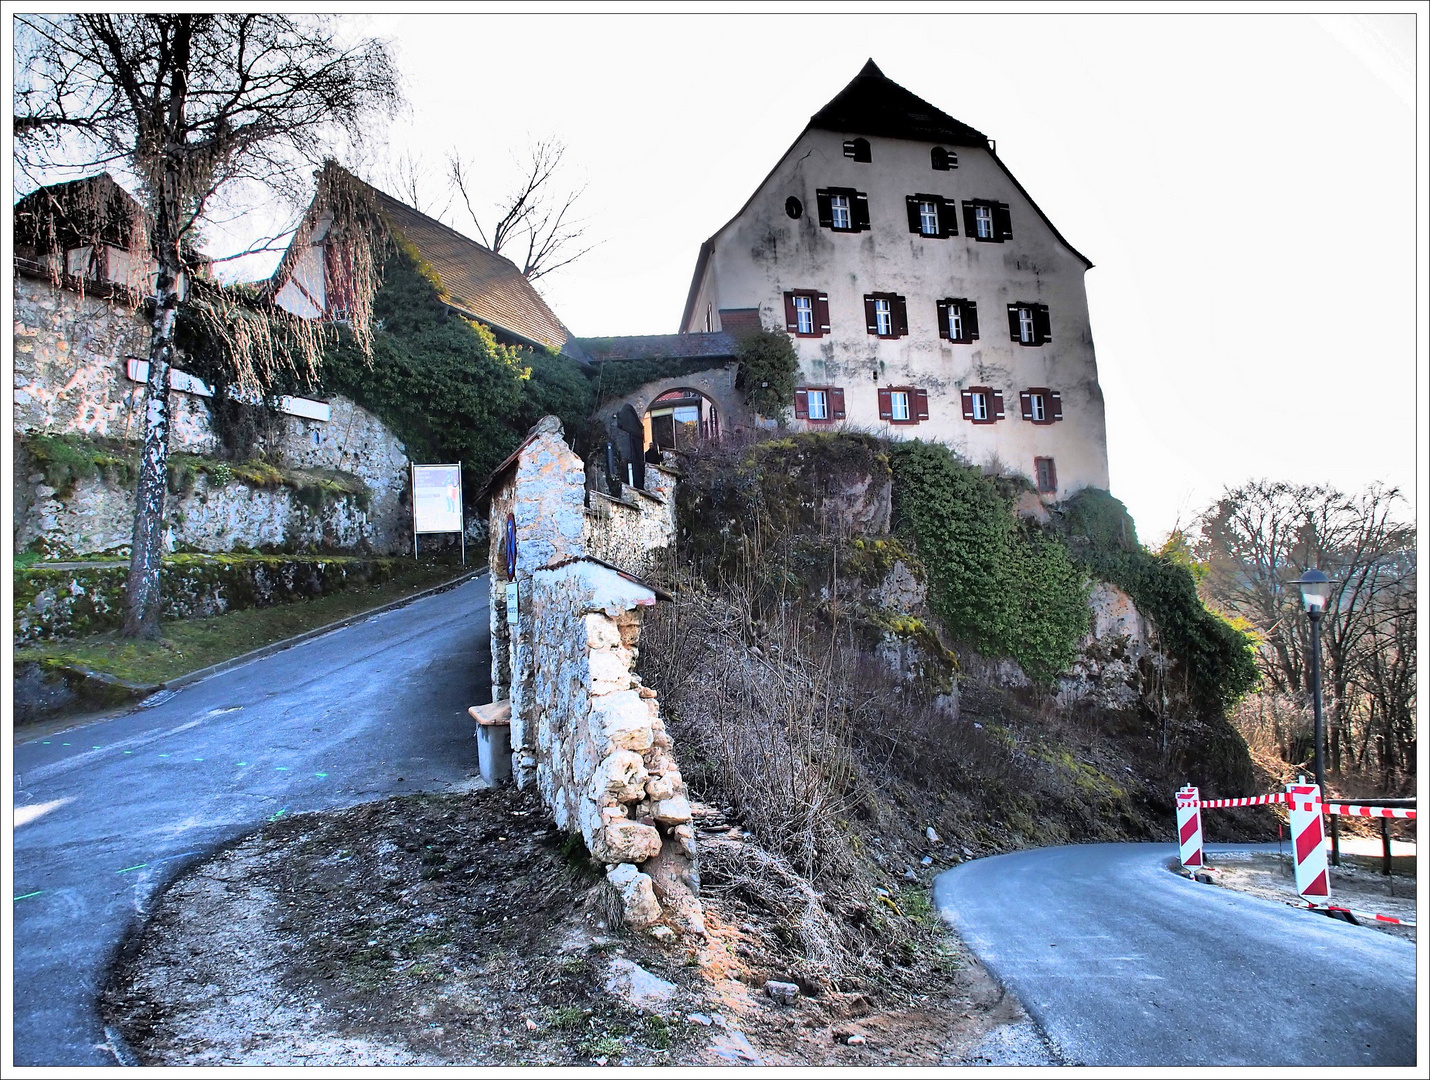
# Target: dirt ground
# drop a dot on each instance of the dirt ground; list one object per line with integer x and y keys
{"x": 465, "y": 929}
{"x": 1357, "y": 884}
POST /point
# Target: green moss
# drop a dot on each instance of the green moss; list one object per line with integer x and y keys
{"x": 67, "y": 459}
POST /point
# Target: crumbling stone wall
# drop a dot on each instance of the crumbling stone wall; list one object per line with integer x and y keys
{"x": 584, "y": 730}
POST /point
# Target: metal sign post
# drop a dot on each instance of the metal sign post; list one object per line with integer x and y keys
{"x": 437, "y": 503}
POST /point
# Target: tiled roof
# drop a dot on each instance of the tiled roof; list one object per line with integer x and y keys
{"x": 653, "y": 346}
{"x": 479, "y": 282}
{"x": 873, "y": 104}
{"x": 740, "y": 321}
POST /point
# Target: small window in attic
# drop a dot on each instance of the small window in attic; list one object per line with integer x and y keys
{"x": 793, "y": 207}
{"x": 943, "y": 160}
{"x": 858, "y": 149}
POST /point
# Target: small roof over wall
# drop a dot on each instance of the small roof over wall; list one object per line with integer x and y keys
{"x": 660, "y": 346}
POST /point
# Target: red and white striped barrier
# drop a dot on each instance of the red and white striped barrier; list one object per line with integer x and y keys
{"x": 1189, "y": 826}
{"x": 1368, "y": 916}
{"x": 1251, "y": 800}
{"x": 1308, "y": 841}
{"x": 1370, "y": 811}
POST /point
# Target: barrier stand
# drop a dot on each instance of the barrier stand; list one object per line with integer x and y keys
{"x": 1308, "y": 842}
{"x": 1189, "y": 825}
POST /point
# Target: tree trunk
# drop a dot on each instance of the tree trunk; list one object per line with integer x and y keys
{"x": 147, "y": 548}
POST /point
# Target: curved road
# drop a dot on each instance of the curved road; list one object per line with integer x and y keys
{"x": 108, "y": 813}
{"x": 1124, "y": 963}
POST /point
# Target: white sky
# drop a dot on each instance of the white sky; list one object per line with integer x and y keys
{"x": 1245, "y": 185}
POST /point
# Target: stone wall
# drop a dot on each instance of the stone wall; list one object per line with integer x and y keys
{"x": 633, "y": 531}
{"x": 70, "y": 378}
{"x": 61, "y": 601}
{"x": 584, "y": 731}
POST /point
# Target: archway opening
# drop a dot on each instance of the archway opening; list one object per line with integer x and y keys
{"x": 679, "y": 419}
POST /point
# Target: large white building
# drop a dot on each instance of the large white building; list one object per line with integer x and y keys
{"x": 928, "y": 295}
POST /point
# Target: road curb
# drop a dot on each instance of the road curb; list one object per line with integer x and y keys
{"x": 288, "y": 643}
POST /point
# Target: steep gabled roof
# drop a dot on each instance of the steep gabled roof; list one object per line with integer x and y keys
{"x": 478, "y": 282}
{"x": 873, "y": 104}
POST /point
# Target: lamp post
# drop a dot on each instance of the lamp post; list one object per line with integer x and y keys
{"x": 1315, "y": 586}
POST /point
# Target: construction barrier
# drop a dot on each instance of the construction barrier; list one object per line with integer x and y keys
{"x": 1308, "y": 841}
{"x": 1353, "y": 810}
{"x": 1189, "y": 825}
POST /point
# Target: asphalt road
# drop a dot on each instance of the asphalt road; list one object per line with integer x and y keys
{"x": 1125, "y": 963}
{"x": 110, "y": 812}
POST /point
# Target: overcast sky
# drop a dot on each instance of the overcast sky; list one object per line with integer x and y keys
{"x": 1245, "y": 186}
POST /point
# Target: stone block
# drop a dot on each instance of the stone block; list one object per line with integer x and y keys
{"x": 623, "y": 721}
{"x": 629, "y": 841}
{"x": 620, "y": 777}
{"x": 610, "y": 671}
{"x": 673, "y": 811}
{"x": 602, "y": 633}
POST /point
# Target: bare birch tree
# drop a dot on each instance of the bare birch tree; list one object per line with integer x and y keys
{"x": 536, "y": 226}
{"x": 188, "y": 103}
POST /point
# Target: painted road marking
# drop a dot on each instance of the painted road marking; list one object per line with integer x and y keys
{"x": 30, "y": 894}
{"x": 278, "y": 815}
{"x": 136, "y": 866}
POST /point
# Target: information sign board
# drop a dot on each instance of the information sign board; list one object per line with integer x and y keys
{"x": 436, "y": 498}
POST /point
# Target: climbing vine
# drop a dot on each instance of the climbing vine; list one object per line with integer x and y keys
{"x": 999, "y": 584}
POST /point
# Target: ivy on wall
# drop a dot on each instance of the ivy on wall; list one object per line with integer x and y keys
{"x": 995, "y": 582}
{"x": 443, "y": 383}
{"x": 1218, "y": 658}
{"x": 769, "y": 368}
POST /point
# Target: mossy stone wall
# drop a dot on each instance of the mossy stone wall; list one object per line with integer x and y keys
{"x": 53, "y": 602}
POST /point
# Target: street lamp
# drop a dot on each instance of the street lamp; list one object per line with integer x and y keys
{"x": 1314, "y": 588}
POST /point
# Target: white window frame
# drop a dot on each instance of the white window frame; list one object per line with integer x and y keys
{"x": 1027, "y": 331}
{"x": 983, "y": 218}
{"x": 955, "y": 322}
{"x": 840, "y": 212}
{"x": 899, "y": 405}
{"x": 818, "y": 404}
{"x": 804, "y": 314}
{"x": 928, "y": 218}
{"x": 980, "y": 404}
{"x": 1038, "y": 407}
{"x": 883, "y": 318}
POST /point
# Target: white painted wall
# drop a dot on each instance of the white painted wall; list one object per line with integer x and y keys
{"x": 763, "y": 253}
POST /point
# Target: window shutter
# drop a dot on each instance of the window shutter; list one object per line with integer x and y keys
{"x": 849, "y": 148}
{"x": 801, "y": 404}
{"x": 943, "y": 319}
{"x": 1002, "y": 221}
{"x": 836, "y": 402}
{"x": 1025, "y": 400}
{"x": 901, "y": 317}
{"x": 947, "y": 222}
{"x": 821, "y": 312}
{"x": 912, "y": 204}
{"x": 1052, "y": 475}
{"x": 1014, "y": 331}
{"x": 886, "y": 405}
{"x": 967, "y": 404}
{"x": 869, "y": 317}
{"x": 1055, "y": 404}
{"x": 970, "y": 320}
{"x": 861, "y": 211}
{"x": 826, "y": 211}
{"x": 995, "y": 405}
{"x": 791, "y": 319}
{"x": 921, "y": 404}
{"x": 970, "y": 223}
{"x": 1042, "y": 324}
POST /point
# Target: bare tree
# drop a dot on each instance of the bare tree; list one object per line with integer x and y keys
{"x": 538, "y": 216}
{"x": 190, "y": 103}
{"x": 1258, "y": 538}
